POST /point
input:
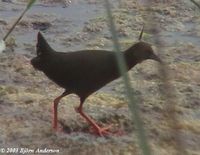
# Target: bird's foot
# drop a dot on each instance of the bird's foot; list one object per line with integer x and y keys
{"x": 101, "y": 131}
{"x": 58, "y": 129}
{"x": 106, "y": 131}
{"x": 95, "y": 127}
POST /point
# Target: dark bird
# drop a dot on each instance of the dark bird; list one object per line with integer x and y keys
{"x": 84, "y": 72}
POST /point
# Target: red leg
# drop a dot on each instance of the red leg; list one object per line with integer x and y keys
{"x": 100, "y": 131}
{"x": 55, "y": 109}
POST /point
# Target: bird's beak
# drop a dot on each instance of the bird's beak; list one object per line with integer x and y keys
{"x": 156, "y": 58}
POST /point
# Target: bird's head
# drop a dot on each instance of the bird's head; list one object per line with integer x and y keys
{"x": 42, "y": 49}
{"x": 143, "y": 51}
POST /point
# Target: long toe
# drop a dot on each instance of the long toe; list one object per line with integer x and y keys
{"x": 102, "y": 131}
{"x": 106, "y": 131}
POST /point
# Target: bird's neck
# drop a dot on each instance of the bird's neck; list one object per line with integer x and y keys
{"x": 130, "y": 58}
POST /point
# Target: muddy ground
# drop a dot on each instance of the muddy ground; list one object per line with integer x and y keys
{"x": 26, "y": 95}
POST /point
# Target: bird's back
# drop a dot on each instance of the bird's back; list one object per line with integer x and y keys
{"x": 82, "y": 71}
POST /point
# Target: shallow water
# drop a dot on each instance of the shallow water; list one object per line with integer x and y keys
{"x": 70, "y": 20}
{"x": 186, "y": 36}
{"x": 76, "y": 14}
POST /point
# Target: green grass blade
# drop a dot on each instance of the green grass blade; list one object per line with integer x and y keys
{"x": 31, "y": 2}
{"x": 131, "y": 100}
{"x": 195, "y": 3}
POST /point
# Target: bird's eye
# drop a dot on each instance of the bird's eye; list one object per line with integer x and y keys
{"x": 39, "y": 53}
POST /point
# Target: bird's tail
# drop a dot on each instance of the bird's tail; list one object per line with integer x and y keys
{"x": 42, "y": 45}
